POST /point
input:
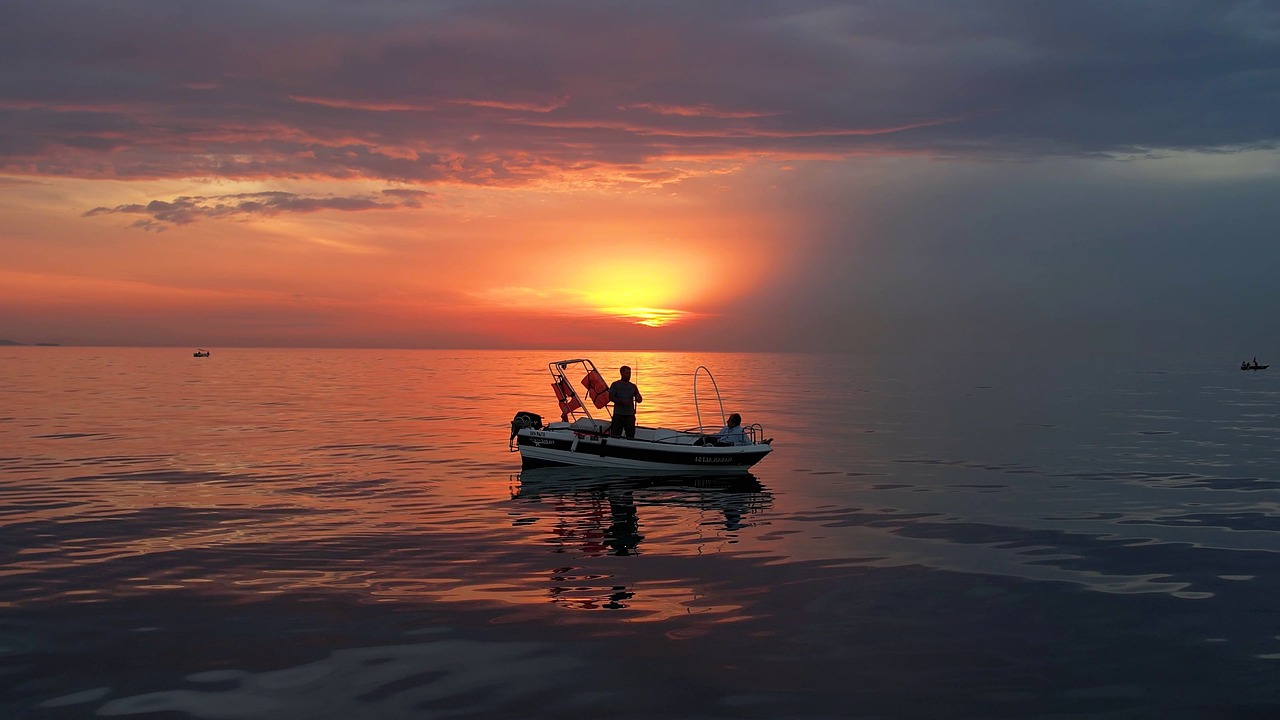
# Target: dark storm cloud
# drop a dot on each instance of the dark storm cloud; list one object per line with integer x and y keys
{"x": 188, "y": 209}
{"x": 505, "y": 92}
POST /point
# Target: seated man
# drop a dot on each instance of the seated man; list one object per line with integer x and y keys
{"x": 732, "y": 433}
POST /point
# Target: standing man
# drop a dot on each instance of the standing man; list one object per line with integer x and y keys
{"x": 624, "y": 395}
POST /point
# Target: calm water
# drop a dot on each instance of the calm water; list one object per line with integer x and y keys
{"x": 343, "y": 534}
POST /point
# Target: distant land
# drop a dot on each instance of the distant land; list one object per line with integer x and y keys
{"x": 11, "y": 342}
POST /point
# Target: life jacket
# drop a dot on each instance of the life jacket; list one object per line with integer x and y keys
{"x": 597, "y": 389}
{"x": 564, "y": 394}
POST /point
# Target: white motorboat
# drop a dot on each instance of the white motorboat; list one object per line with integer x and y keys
{"x": 579, "y": 439}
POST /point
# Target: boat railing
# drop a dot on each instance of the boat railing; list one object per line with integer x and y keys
{"x": 754, "y": 432}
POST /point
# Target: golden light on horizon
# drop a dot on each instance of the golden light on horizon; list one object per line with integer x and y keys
{"x": 246, "y": 262}
{"x": 649, "y": 317}
{"x": 654, "y": 292}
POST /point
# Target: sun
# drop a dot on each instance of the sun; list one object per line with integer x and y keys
{"x": 648, "y": 316}
{"x": 650, "y": 294}
{"x": 651, "y": 283}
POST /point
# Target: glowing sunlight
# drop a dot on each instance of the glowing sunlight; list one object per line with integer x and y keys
{"x": 650, "y": 317}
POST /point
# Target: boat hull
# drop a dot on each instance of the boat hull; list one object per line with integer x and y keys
{"x": 540, "y": 448}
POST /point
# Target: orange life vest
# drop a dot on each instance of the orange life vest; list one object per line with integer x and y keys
{"x": 564, "y": 394}
{"x": 597, "y": 389}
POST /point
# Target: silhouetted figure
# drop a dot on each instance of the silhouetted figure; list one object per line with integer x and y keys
{"x": 732, "y": 432}
{"x": 624, "y": 394}
{"x": 622, "y": 537}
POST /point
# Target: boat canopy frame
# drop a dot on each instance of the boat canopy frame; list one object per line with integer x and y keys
{"x": 560, "y": 378}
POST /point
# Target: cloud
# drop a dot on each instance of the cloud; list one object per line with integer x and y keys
{"x": 188, "y": 209}
{"x": 503, "y": 93}
{"x": 703, "y": 110}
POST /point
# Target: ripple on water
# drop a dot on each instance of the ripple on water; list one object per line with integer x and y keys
{"x": 465, "y": 677}
{"x": 1034, "y": 547}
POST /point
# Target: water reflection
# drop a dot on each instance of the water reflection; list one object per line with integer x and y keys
{"x": 599, "y": 515}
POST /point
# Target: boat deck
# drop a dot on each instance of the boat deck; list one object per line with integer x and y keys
{"x": 588, "y": 426}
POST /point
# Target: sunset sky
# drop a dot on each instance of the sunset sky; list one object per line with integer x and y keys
{"x": 717, "y": 175}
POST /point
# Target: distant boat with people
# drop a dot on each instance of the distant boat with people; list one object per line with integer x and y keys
{"x": 1246, "y": 365}
{"x": 200, "y": 353}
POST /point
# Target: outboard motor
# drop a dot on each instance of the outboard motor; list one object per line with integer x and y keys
{"x": 525, "y": 419}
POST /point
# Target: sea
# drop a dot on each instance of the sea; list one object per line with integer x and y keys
{"x": 345, "y": 534}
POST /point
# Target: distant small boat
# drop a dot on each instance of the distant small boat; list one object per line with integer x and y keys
{"x": 1254, "y": 367}
{"x": 200, "y": 353}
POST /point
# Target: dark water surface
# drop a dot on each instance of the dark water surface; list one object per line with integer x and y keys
{"x": 343, "y": 534}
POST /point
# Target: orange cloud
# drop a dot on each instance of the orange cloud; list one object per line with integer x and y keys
{"x": 538, "y": 107}
{"x": 695, "y": 111}
{"x": 369, "y": 105}
{"x": 735, "y": 131}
